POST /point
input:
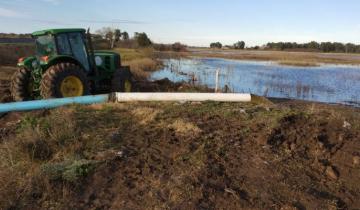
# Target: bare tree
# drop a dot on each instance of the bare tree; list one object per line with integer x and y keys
{"x": 109, "y": 34}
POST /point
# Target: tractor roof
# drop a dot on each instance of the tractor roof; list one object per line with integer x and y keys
{"x": 58, "y": 31}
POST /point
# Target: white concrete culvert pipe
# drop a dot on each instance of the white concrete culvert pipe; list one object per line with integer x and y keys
{"x": 191, "y": 97}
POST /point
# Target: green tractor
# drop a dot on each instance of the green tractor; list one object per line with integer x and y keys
{"x": 65, "y": 65}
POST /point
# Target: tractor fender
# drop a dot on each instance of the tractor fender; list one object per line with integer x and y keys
{"x": 63, "y": 59}
{"x": 26, "y": 62}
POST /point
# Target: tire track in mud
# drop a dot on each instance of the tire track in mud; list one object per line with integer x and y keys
{"x": 5, "y": 91}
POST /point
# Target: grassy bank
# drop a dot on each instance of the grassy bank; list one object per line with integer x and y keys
{"x": 141, "y": 61}
{"x": 283, "y": 58}
{"x": 181, "y": 156}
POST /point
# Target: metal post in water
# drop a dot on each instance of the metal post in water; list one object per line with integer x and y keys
{"x": 217, "y": 80}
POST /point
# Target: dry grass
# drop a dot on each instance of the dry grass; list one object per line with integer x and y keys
{"x": 142, "y": 68}
{"x": 134, "y": 54}
{"x": 298, "y": 63}
{"x": 42, "y": 149}
{"x": 141, "y": 61}
{"x": 185, "y": 128}
{"x": 283, "y": 58}
{"x": 145, "y": 115}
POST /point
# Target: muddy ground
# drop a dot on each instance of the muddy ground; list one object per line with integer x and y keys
{"x": 260, "y": 155}
{"x": 5, "y": 74}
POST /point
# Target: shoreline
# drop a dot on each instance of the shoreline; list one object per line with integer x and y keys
{"x": 298, "y": 59}
{"x": 273, "y": 62}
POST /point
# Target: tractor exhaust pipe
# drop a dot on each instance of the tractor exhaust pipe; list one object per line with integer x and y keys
{"x": 123, "y": 97}
{"x": 92, "y": 53}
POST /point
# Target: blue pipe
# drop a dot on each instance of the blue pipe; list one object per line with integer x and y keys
{"x": 52, "y": 103}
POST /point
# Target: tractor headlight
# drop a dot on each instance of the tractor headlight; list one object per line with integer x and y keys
{"x": 35, "y": 64}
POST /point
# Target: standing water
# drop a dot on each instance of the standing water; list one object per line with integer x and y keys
{"x": 326, "y": 83}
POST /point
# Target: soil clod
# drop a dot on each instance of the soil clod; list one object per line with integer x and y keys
{"x": 332, "y": 173}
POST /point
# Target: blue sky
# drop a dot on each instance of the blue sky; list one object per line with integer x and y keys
{"x": 194, "y": 22}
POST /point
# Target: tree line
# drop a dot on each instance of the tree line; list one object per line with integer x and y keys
{"x": 13, "y": 35}
{"x": 336, "y": 47}
{"x": 240, "y": 45}
{"x": 326, "y": 47}
{"x": 117, "y": 38}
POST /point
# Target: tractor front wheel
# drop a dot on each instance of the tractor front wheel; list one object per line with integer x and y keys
{"x": 122, "y": 80}
{"x": 64, "y": 80}
{"x": 21, "y": 86}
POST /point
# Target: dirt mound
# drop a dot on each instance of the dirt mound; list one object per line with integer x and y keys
{"x": 314, "y": 139}
{"x": 182, "y": 156}
{"x": 326, "y": 152}
{"x": 303, "y": 163}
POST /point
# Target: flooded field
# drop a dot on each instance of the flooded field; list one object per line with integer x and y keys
{"x": 326, "y": 83}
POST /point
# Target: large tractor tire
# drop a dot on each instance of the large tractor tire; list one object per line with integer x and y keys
{"x": 122, "y": 81}
{"x": 64, "y": 80}
{"x": 21, "y": 86}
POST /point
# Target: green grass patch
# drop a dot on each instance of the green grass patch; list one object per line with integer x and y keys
{"x": 70, "y": 171}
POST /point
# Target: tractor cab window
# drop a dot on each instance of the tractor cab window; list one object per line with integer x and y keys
{"x": 45, "y": 45}
{"x": 79, "y": 49}
{"x": 63, "y": 45}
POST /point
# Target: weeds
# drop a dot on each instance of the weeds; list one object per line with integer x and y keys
{"x": 298, "y": 63}
{"x": 70, "y": 171}
{"x": 185, "y": 128}
{"x": 44, "y": 143}
{"x": 142, "y": 68}
{"x": 28, "y": 122}
{"x": 134, "y": 54}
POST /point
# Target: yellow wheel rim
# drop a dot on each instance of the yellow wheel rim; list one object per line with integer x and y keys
{"x": 128, "y": 86}
{"x": 71, "y": 86}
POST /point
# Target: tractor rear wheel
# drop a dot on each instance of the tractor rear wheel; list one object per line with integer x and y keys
{"x": 64, "y": 80}
{"x": 122, "y": 80}
{"x": 21, "y": 86}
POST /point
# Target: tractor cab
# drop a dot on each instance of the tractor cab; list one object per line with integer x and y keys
{"x": 69, "y": 43}
{"x": 65, "y": 65}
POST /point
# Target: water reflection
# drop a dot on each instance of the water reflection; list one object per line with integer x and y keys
{"x": 328, "y": 83}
